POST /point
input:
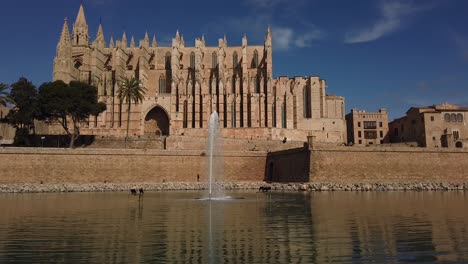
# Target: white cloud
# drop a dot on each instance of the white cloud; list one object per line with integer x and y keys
{"x": 284, "y": 38}
{"x": 393, "y": 15}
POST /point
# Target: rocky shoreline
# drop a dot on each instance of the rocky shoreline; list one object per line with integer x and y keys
{"x": 304, "y": 187}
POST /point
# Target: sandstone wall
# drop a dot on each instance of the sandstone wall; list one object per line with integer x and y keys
{"x": 363, "y": 164}
{"x": 22, "y": 165}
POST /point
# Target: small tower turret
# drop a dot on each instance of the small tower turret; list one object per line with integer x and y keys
{"x": 100, "y": 41}
{"x": 80, "y": 29}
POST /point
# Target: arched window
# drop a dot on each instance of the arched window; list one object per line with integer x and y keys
{"x": 192, "y": 60}
{"x": 233, "y": 114}
{"x": 459, "y": 118}
{"x": 235, "y": 60}
{"x": 447, "y": 117}
{"x": 162, "y": 85}
{"x": 453, "y": 117}
{"x": 255, "y": 59}
{"x": 307, "y": 105}
{"x": 185, "y": 121}
{"x": 273, "y": 114}
{"x": 168, "y": 60}
{"x": 283, "y": 115}
{"x": 214, "y": 60}
{"x": 233, "y": 85}
{"x": 211, "y": 86}
{"x": 257, "y": 84}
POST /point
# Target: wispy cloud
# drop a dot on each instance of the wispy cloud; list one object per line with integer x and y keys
{"x": 393, "y": 16}
{"x": 272, "y": 12}
{"x": 285, "y": 38}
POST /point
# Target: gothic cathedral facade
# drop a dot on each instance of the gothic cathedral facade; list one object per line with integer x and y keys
{"x": 185, "y": 84}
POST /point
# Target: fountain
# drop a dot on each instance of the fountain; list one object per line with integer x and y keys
{"x": 215, "y": 162}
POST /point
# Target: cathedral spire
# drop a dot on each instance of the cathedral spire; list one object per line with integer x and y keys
{"x": 100, "y": 41}
{"x": 146, "y": 36}
{"x": 124, "y": 40}
{"x": 268, "y": 37}
{"x": 65, "y": 35}
{"x": 154, "y": 44}
{"x": 80, "y": 28}
{"x": 177, "y": 35}
{"x": 111, "y": 43}
{"x": 132, "y": 42}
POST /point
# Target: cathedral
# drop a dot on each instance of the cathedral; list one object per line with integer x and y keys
{"x": 185, "y": 84}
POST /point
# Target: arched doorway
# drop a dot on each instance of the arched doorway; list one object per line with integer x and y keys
{"x": 459, "y": 144}
{"x": 157, "y": 122}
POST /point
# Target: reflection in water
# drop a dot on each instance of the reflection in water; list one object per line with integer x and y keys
{"x": 165, "y": 227}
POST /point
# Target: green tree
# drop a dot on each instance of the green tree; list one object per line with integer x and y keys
{"x": 26, "y": 109}
{"x": 131, "y": 90}
{"x": 69, "y": 105}
{"x": 4, "y": 96}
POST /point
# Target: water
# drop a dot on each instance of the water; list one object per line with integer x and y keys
{"x": 215, "y": 167}
{"x": 173, "y": 227}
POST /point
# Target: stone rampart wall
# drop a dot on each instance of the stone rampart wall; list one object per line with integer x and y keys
{"x": 402, "y": 164}
{"x": 33, "y": 165}
{"x": 321, "y": 165}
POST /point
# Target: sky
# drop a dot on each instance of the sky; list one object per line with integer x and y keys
{"x": 391, "y": 54}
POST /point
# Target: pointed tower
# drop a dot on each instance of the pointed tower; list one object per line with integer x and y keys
{"x": 63, "y": 58}
{"x": 132, "y": 42}
{"x": 80, "y": 29}
{"x": 269, "y": 52}
{"x": 111, "y": 43}
{"x": 146, "y": 42}
{"x": 124, "y": 42}
{"x": 100, "y": 41}
{"x": 154, "y": 44}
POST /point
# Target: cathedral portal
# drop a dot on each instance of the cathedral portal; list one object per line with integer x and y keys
{"x": 157, "y": 122}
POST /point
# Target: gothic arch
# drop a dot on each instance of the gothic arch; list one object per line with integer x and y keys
{"x": 156, "y": 122}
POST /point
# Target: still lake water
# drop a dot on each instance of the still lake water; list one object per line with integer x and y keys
{"x": 172, "y": 227}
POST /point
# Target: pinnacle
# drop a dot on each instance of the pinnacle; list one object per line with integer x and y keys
{"x": 65, "y": 35}
{"x": 80, "y": 18}
{"x": 154, "y": 44}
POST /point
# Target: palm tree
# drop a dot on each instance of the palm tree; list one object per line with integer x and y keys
{"x": 131, "y": 90}
{"x": 4, "y": 95}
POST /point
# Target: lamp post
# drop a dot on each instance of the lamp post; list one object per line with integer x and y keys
{"x": 42, "y": 141}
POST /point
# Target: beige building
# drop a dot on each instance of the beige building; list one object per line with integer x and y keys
{"x": 433, "y": 126}
{"x": 7, "y": 132}
{"x": 187, "y": 83}
{"x": 367, "y": 128}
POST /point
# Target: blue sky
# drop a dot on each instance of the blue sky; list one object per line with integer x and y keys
{"x": 390, "y": 54}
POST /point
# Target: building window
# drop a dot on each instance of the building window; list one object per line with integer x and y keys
{"x": 307, "y": 106}
{"x": 162, "y": 85}
{"x": 370, "y": 124}
{"x": 168, "y": 60}
{"x": 233, "y": 114}
{"x": 192, "y": 60}
{"x": 432, "y": 118}
{"x": 381, "y": 141}
{"x": 380, "y": 124}
{"x": 358, "y": 124}
{"x": 283, "y": 115}
{"x": 185, "y": 117}
{"x": 273, "y": 114}
{"x": 434, "y": 138}
{"x": 255, "y": 59}
{"x": 359, "y": 134}
{"x": 381, "y": 134}
{"x": 360, "y": 141}
{"x": 257, "y": 84}
{"x": 459, "y": 118}
{"x": 370, "y": 134}
{"x": 235, "y": 60}
{"x": 214, "y": 60}
{"x": 234, "y": 84}
{"x": 453, "y": 117}
{"x": 456, "y": 135}
{"x": 447, "y": 117}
